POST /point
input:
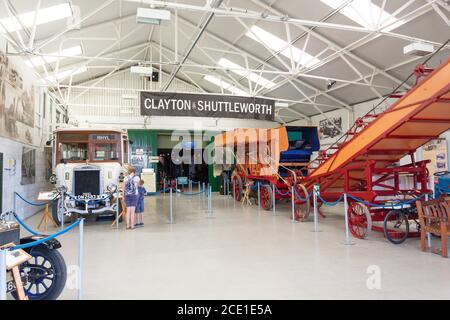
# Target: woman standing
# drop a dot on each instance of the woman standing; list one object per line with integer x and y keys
{"x": 131, "y": 194}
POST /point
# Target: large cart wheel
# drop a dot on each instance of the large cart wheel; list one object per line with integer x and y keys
{"x": 237, "y": 187}
{"x": 359, "y": 220}
{"x": 45, "y": 274}
{"x": 266, "y": 197}
{"x": 396, "y": 226}
{"x": 302, "y": 208}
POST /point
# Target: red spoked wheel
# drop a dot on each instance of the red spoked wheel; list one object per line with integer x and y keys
{"x": 359, "y": 220}
{"x": 301, "y": 207}
{"x": 265, "y": 196}
{"x": 237, "y": 187}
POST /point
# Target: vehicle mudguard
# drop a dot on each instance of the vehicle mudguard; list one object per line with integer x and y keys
{"x": 51, "y": 244}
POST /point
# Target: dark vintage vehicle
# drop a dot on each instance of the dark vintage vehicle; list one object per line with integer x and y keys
{"x": 44, "y": 275}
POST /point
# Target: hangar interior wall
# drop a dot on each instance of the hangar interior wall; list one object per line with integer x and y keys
{"x": 22, "y": 140}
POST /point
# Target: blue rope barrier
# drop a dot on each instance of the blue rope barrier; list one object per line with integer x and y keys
{"x": 191, "y": 194}
{"x": 330, "y": 204}
{"x": 36, "y": 204}
{"x": 20, "y": 221}
{"x": 50, "y": 237}
{"x": 281, "y": 193}
{"x": 389, "y": 205}
{"x": 308, "y": 196}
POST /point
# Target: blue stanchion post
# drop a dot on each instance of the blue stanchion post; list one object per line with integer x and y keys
{"x": 117, "y": 209}
{"x": 273, "y": 200}
{"x": 210, "y": 202}
{"x": 316, "y": 189}
{"x": 170, "y": 208}
{"x": 259, "y": 195}
{"x": 428, "y": 223}
{"x": 61, "y": 211}
{"x": 164, "y": 186}
{"x": 14, "y": 202}
{"x": 2, "y": 274}
{"x": 80, "y": 258}
{"x": 348, "y": 241}
{"x": 293, "y": 204}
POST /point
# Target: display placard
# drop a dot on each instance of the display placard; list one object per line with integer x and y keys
{"x": 436, "y": 151}
{"x": 201, "y": 105}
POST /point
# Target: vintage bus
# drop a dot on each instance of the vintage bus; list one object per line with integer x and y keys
{"x": 88, "y": 166}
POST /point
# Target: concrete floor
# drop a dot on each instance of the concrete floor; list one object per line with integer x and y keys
{"x": 244, "y": 253}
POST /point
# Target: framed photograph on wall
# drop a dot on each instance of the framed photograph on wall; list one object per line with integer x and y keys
{"x": 28, "y": 166}
{"x": 332, "y": 126}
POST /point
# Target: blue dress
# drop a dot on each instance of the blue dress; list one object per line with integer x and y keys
{"x": 140, "y": 204}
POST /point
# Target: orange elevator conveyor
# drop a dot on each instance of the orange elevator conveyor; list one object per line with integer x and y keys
{"x": 421, "y": 115}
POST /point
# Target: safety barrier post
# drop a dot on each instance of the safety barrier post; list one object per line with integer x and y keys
{"x": 62, "y": 211}
{"x": 348, "y": 241}
{"x": 190, "y": 186}
{"x": 273, "y": 200}
{"x": 225, "y": 187}
{"x": 14, "y": 202}
{"x": 164, "y": 186}
{"x": 210, "y": 202}
{"x": 176, "y": 184}
{"x": 316, "y": 211}
{"x": 428, "y": 222}
{"x": 170, "y": 212}
{"x": 80, "y": 258}
{"x": 259, "y": 195}
{"x": 117, "y": 208}
{"x": 293, "y": 204}
{"x": 2, "y": 274}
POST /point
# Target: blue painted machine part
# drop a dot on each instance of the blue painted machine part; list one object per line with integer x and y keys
{"x": 442, "y": 186}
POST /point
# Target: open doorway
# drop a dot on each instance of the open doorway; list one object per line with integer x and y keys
{"x": 169, "y": 170}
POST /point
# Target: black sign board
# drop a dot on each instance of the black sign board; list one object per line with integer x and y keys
{"x": 202, "y": 105}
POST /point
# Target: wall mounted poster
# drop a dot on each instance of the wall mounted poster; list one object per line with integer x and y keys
{"x": 28, "y": 166}
{"x": 436, "y": 151}
{"x": 17, "y": 102}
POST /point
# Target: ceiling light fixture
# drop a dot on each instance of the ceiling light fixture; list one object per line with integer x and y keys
{"x": 152, "y": 16}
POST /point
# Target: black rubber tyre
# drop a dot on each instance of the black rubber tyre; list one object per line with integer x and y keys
{"x": 46, "y": 270}
{"x": 55, "y": 205}
{"x": 400, "y": 217}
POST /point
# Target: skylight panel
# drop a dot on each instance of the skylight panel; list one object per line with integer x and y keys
{"x": 50, "y": 14}
{"x": 64, "y": 74}
{"x": 365, "y": 13}
{"x": 279, "y": 45}
{"x": 225, "y": 85}
{"x": 256, "y": 78}
{"x": 52, "y": 57}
